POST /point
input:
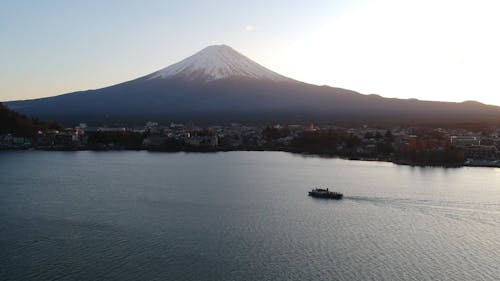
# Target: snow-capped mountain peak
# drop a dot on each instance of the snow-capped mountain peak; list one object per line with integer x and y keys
{"x": 217, "y": 62}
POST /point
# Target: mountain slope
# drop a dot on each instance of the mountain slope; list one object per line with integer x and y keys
{"x": 219, "y": 84}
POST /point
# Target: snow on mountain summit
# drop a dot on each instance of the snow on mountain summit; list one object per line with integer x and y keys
{"x": 217, "y": 62}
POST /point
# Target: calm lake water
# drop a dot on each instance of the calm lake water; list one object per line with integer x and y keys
{"x": 242, "y": 216}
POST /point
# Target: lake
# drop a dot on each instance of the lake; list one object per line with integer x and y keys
{"x": 242, "y": 216}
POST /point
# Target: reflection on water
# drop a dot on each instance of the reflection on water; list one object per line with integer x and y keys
{"x": 242, "y": 216}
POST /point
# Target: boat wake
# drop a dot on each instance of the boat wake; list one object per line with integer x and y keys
{"x": 481, "y": 212}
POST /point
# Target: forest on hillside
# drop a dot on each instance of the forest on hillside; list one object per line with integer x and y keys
{"x": 17, "y": 124}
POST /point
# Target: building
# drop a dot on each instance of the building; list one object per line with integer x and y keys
{"x": 463, "y": 141}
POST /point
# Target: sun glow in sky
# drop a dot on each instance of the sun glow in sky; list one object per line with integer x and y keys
{"x": 434, "y": 50}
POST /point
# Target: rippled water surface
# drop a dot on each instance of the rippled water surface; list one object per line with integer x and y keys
{"x": 242, "y": 216}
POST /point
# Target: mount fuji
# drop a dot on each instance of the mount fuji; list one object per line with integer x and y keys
{"x": 218, "y": 84}
{"x": 217, "y": 62}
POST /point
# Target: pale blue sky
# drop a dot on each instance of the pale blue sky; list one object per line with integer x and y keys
{"x": 440, "y": 50}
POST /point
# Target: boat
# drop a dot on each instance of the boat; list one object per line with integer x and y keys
{"x": 325, "y": 193}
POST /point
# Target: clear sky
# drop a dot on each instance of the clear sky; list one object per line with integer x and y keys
{"x": 426, "y": 49}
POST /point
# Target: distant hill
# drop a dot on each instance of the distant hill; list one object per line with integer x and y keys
{"x": 218, "y": 85}
{"x": 18, "y": 124}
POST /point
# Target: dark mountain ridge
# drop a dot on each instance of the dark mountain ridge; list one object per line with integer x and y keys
{"x": 219, "y": 85}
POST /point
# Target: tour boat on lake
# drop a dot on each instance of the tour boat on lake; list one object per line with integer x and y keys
{"x": 325, "y": 193}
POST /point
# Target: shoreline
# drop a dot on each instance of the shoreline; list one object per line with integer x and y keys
{"x": 471, "y": 163}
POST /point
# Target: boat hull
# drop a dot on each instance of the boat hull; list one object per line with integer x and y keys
{"x": 326, "y": 195}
